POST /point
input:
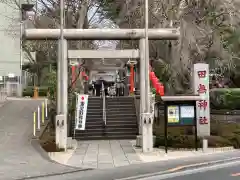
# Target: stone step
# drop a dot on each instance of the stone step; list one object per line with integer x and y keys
{"x": 108, "y": 125}
{"x": 104, "y": 133}
{"x": 121, "y": 115}
{"x": 122, "y": 137}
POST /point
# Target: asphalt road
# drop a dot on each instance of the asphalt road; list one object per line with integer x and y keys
{"x": 137, "y": 171}
{"x": 224, "y": 171}
{"x": 228, "y": 173}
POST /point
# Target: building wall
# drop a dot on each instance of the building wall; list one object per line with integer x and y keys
{"x": 9, "y": 39}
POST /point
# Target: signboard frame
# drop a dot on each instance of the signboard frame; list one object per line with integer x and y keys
{"x": 179, "y": 104}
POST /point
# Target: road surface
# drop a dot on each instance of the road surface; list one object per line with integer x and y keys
{"x": 20, "y": 156}
{"x": 227, "y": 173}
{"x": 138, "y": 171}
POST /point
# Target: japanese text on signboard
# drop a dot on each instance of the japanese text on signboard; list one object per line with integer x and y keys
{"x": 202, "y": 91}
{"x": 81, "y": 114}
{"x": 81, "y": 111}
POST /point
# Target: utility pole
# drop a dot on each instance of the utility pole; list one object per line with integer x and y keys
{"x": 62, "y": 89}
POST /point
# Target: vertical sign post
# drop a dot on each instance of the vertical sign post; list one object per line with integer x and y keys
{"x": 201, "y": 87}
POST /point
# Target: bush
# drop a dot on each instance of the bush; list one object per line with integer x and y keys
{"x": 222, "y": 134}
{"x": 188, "y": 141}
{"x": 235, "y": 141}
{"x": 29, "y": 91}
{"x": 225, "y": 98}
{"x": 182, "y": 141}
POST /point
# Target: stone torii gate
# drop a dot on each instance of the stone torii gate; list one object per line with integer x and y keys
{"x": 103, "y": 34}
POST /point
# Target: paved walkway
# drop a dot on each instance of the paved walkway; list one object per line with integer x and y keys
{"x": 104, "y": 154}
{"x": 18, "y": 157}
{"x": 116, "y": 153}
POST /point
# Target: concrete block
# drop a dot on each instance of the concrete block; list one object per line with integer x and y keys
{"x": 121, "y": 163}
{"x": 90, "y": 164}
{"x": 139, "y": 140}
{"x": 80, "y": 151}
{"x": 205, "y": 145}
{"x": 128, "y": 150}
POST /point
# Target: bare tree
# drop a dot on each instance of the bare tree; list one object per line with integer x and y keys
{"x": 203, "y": 26}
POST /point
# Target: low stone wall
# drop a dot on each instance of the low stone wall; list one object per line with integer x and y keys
{"x": 224, "y": 115}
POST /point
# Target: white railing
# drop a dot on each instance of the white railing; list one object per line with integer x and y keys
{"x": 104, "y": 104}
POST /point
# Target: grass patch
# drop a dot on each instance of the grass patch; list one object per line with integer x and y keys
{"x": 47, "y": 141}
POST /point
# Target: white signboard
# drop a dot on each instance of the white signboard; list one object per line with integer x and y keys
{"x": 201, "y": 87}
{"x": 187, "y": 111}
{"x": 81, "y": 111}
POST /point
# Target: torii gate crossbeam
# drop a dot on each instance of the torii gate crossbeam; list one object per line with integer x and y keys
{"x": 101, "y": 34}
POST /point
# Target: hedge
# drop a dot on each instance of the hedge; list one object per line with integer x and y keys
{"x": 188, "y": 141}
{"x": 225, "y": 98}
{"x": 222, "y": 134}
{"x": 29, "y": 91}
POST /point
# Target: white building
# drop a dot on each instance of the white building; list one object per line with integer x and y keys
{"x": 10, "y": 46}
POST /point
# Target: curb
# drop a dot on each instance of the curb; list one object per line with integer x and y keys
{"x": 158, "y": 156}
{"x": 63, "y": 157}
{"x": 228, "y": 148}
{"x": 53, "y": 174}
{"x": 47, "y": 156}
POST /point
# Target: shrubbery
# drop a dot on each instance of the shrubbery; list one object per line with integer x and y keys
{"x": 222, "y": 135}
{"x": 188, "y": 141}
{"x": 225, "y": 98}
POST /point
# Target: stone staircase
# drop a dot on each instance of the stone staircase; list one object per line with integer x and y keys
{"x": 94, "y": 127}
{"x": 121, "y": 120}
